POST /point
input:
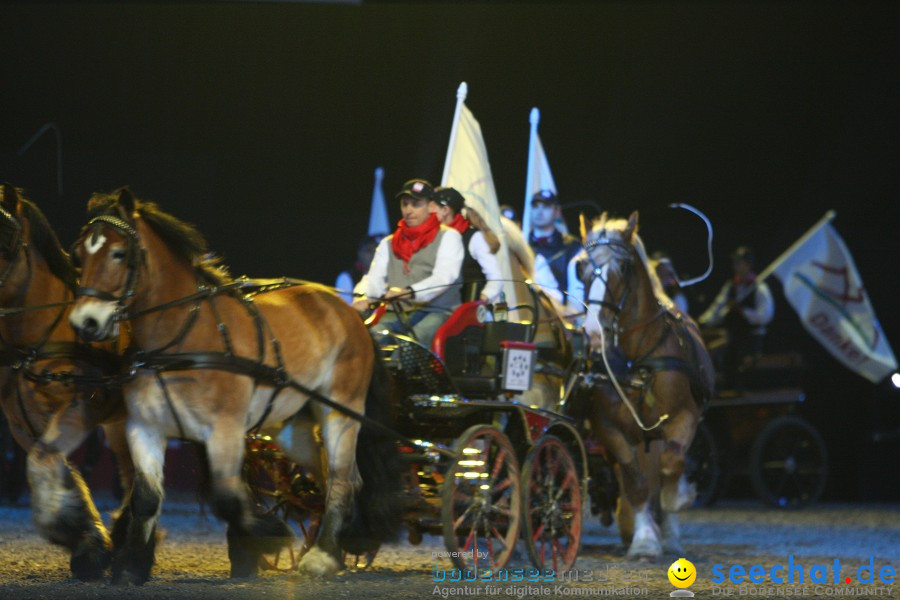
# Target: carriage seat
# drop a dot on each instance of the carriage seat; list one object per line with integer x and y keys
{"x": 472, "y": 349}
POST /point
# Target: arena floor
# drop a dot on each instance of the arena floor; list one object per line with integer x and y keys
{"x": 192, "y": 562}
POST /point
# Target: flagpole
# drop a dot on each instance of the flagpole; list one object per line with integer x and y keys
{"x": 461, "y": 92}
{"x": 831, "y": 214}
{"x": 534, "y": 118}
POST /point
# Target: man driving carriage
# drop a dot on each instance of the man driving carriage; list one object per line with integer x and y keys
{"x": 415, "y": 266}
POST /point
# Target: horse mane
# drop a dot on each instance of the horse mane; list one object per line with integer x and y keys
{"x": 182, "y": 238}
{"x": 619, "y": 226}
{"x": 518, "y": 247}
{"x": 45, "y": 241}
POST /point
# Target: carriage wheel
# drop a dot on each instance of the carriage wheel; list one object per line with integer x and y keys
{"x": 552, "y": 505}
{"x": 482, "y": 497}
{"x": 704, "y": 466}
{"x": 788, "y": 463}
{"x": 282, "y": 488}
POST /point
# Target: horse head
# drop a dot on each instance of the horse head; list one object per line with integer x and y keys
{"x": 110, "y": 253}
{"x": 621, "y": 288}
{"x": 606, "y": 273}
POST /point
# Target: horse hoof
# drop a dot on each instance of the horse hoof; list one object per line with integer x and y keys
{"x": 89, "y": 566}
{"x": 644, "y": 550}
{"x": 673, "y": 547}
{"x": 128, "y": 577}
{"x": 245, "y": 567}
{"x": 318, "y": 563}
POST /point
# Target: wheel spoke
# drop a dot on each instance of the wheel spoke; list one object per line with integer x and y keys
{"x": 499, "y": 463}
{"x": 503, "y": 485}
{"x": 470, "y": 540}
{"x": 538, "y": 532}
{"x": 458, "y": 522}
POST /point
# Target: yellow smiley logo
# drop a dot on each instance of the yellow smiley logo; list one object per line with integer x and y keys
{"x": 682, "y": 573}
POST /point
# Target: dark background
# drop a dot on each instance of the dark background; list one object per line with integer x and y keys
{"x": 262, "y": 124}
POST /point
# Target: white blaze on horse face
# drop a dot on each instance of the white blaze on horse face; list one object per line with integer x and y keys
{"x": 93, "y": 243}
{"x": 596, "y": 293}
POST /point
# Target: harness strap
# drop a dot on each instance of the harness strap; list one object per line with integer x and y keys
{"x": 664, "y": 363}
{"x": 31, "y": 428}
{"x": 269, "y": 405}
{"x": 165, "y": 391}
{"x": 221, "y": 327}
{"x": 245, "y": 366}
{"x": 644, "y": 323}
{"x": 185, "y": 328}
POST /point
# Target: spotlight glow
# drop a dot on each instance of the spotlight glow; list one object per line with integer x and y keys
{"x": 895, "y": 379}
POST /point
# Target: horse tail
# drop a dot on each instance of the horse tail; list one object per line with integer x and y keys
{"x": 375, "y": 518}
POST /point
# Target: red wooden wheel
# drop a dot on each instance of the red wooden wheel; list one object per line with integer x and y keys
{"x": 482, "y": 496}
{"x": 552, "y": 505}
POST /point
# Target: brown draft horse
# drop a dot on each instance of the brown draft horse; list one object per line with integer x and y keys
{"x": 636, "y": 331}
{"x": 51, "y": 386}
{"x": 211, "y": 363}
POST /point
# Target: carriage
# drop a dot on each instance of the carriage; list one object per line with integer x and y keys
{"x": 755, "y": 432}
{"x": 480, "y": 467}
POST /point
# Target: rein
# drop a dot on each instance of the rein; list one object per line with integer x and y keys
{"x": 160, "y": 361}
{"x": 617, "y": 308}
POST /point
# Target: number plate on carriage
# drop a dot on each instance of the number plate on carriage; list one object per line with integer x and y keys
{"x": 518, "y": 365}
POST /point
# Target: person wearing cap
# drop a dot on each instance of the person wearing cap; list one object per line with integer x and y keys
{"x": 744, "y": 307}
{"x": 546, "y": 240}
{"x": 417, "y": 264}
{"x": 480, "y": 270}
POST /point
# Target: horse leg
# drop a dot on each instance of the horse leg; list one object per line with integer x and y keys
{"x": 62, "y": 508}
{"x": 676, "y": 493}
{"x": 118, "y": 443}
{"x": 339, "y": 434}
{"x": 136, "y": 527}
{"x": 250, "y": 533}
{"x": 624, "y": 511}
{"x": 635, "y": 493}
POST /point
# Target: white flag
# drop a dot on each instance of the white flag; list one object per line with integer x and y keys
{"x": 539, "y": 176}
{"x": 468, "y": 171}
{"x": 378, "y": 215}
{"x": 822, "y": 284}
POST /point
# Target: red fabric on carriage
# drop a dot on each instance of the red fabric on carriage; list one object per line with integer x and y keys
{"x": 459, "y": 223}
{"x": 409, "y": 240}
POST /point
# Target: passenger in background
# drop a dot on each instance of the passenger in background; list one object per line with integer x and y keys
{"x": 481, "y": 275}
{"x": 510, "y": 213}
{"x": 546, "y": 240}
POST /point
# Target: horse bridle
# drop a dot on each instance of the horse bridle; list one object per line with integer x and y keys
{"x": 15, "y": 245}
{"x": 596, "y": 272}
{"x": 134, "y": 258}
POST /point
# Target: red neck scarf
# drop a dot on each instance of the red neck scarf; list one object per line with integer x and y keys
{"x": 409, "y": 240}
{"x": 459, "y": 223}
